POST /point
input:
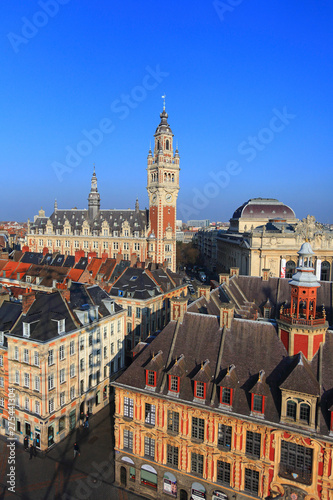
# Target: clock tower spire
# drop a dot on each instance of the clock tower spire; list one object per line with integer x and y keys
{"x": 163, "y": 186}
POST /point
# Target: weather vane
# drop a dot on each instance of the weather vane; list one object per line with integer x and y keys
{"x": 163, "y": 97}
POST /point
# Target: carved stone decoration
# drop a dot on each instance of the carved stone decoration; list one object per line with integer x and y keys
{"x": 309, "y": 228}
{"x": 327, "y": 456}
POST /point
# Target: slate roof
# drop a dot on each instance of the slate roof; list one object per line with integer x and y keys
{"x": 199, "y": 338}
{"x": 137, "y": 220}
{"x": 9, "y": 312}
{"x": 32, "y": 257}
{"x": 277, "y": 290}
{"x": 302, "y": 378}
{"x": 48, "y": 308}
{"x": 43, "y": 317}
{"x": 136, "y": 283}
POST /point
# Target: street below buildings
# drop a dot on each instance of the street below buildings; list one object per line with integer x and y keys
{"x": 57, "y": 475}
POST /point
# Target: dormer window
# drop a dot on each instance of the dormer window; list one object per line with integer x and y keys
{"x": 61, "y": 326}
{"x": 304, "y": 413}
{"x": 226, "y": 396}
{"x": 257, "y": 403}
{"x": 291, "y": 409}
{"x": 267, "y": 312}
{"x": 173, "y": 383}
{"x": 150, "y": 378}
{"x": 26, "y": 330}
{"x": 298, "y": 410}
{"x": 200, "y": 390}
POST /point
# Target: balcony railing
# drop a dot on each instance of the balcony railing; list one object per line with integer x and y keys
{"x": 296, "y": 474}
{"x": 288, "y": 317}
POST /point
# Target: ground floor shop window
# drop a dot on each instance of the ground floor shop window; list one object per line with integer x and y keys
{"x": 148, "y": 476}
{"x": 132, "y": 474}
{"x": 170, "y": 484}
{"x": 198, "y": 491}
{"x": 61, "y": 424}
{"x": 50, "y": 435}
{"x": 72, "y": 420}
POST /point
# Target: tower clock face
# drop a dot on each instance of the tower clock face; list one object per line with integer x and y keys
{"x": 168, "y": 197}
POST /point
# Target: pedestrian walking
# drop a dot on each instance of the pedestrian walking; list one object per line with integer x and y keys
{"x": 34, "y": 444}
{"x": 76, "y": 450}
{"x": 26, "y": 444}
{"x": 31, "y": 451}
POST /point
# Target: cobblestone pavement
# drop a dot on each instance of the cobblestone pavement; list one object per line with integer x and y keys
{"x": 58, "y": 476}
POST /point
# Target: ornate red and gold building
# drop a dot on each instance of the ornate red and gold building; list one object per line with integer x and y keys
{"x": 218, "y": 406}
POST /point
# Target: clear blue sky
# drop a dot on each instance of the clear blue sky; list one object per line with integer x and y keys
{"x": 229, "y": 73}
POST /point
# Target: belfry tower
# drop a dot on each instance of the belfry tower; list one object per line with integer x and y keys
{"x": 163, "y": 186}
{"x": 94, "y": 200}
{"x": 302, "y": 327}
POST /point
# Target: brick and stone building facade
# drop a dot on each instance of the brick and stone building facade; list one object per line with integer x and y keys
{"x": 59, "y": 353}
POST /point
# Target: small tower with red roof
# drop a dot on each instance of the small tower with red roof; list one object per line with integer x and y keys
{"x": 301, "y": 327}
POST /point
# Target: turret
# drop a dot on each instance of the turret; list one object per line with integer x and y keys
{"x": 301, "y": 327}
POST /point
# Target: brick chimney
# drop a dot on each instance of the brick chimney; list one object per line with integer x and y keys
{"x": 91, "y": 256}
{"x": 27, "y": 300}
{"x": 265, "y": 274}
{"x": 224, "y": 278}
{"x": 119, "y": 257}
{"x": 234, "y": 271}
{"x": 178, "y": 308}
{"x": 134, "y": 259}
{"x": 64, "y": 290}
{"x": 78, "y": 255}
{"x": 226, "y": 314}
{"x": 204, "y": 290}
{"x": 104, "y": 257}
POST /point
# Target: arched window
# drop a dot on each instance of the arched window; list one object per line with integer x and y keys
{"x": 290, "y": 269}
{"x": 167, "y": 144}
{"x": 148, "y": 476}
{"x": 158, "y": 145}
{"x": 291, "y": 409}
{"x": 325, "y": 271}
{"x": 304, "y": 413}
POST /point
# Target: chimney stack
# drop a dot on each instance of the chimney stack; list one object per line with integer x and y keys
{"x": 178, "y": 308}
{"x": 27, "y": 300}
{"x": 227, "y": 311}
{"x": 265, "y": 274}
{"x": 234, "y": 271}
{"x": 224, "y": 278}
{"x": 204, "y": 290}
{"x": 133, "y": 259}
{"x": 119, "y": 257}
